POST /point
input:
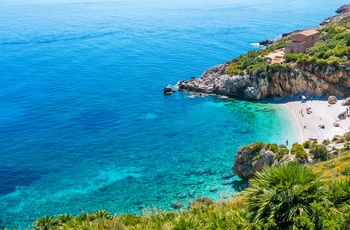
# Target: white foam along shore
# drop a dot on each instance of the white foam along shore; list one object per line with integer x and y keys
{"x": 321, "y": 113}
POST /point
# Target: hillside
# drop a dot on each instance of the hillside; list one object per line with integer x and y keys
{"x": 321, "y": 71}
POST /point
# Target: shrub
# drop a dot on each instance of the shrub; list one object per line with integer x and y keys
{"x": 280, "y": 153}
{"x": 326, "y": 142}
{"x": 257, "y": 146}
{"x": 307, "y": 144}
{"x": 346, "y": 171}
{"x": 299, "y": 152}
{"x": 347, "y": 136}
{"x": 319, "y": 152}
{"x": 130, "y": 219}
{"x": 273, "y": 148}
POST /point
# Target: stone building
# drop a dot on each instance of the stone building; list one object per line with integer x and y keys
{"x": 301, "y": 41}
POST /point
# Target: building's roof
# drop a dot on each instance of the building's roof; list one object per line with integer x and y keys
{"x": 309, "y": 32}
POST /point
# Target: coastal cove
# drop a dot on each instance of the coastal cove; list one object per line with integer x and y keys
{"x": 85, "y": 125}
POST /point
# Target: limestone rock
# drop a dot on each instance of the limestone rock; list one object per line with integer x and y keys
{"x": 266, "y": 42}
{"x": 248, "y": 162}
{"x": 346, "y": 102}
{"x": 332, "y": 100}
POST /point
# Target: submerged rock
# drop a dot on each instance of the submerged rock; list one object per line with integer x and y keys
{"x": 192, "y": 193}
{"x": 227, "y": 176}
{"x": 176, "y": 204}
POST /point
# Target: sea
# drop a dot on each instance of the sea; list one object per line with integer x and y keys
{"x": 84, "y": 124}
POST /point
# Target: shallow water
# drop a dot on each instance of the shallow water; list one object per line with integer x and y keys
{"x": 84, "y": 124}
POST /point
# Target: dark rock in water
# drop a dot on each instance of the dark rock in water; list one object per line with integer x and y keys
{"x": 266, "y": 42}
{"x": 176, "y": 204}
{"x": 205, "y": 171}
{"x": 224, "y": 196}
{"x": 160, "y": 196}
{"x": 168, "y": 90}
{"x": 181, "y": 195}
{"x": 137, "y": 203}
{"x": 289, "y": 33}
{"x": 227, "y": 176}
{"x": 191, "y": 193}
{"x": 228, "y": 182}
{"x": 213, "y": 189}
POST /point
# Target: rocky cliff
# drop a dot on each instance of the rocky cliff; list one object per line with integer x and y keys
{"x": 317, "y": 78}
{"x": 299, "y": 80}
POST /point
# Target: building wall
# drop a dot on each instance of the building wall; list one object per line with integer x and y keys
{"x": 311, "y": 40}
{"x": 292, "y": 47}
{"x": 299, "y": 38}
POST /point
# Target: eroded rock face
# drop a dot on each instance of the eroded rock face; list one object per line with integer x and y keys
{"x": 216, "y": 80}
{"x": 247, "y": 162}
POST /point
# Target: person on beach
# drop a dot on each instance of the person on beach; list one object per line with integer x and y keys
{"x": 287, "y": 142}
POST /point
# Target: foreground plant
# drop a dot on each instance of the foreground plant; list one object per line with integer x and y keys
{"x": 279, "y": 196}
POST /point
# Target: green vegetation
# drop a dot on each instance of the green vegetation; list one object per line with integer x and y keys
{"x": 319, "y": 152}
{"x": 330, "y": 55}
{"x": 299, "y": 152}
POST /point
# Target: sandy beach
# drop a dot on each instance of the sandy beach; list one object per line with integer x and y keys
{"x": 321, "y": 113}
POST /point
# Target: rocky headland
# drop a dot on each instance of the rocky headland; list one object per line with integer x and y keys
{"x": 312, "y": 77}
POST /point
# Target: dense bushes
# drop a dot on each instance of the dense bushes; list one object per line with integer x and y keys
{"x": 299, "y": 152}
{"x": 319, "y": 152}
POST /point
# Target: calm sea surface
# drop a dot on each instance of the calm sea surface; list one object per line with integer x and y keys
{"x": 84, "y": 124}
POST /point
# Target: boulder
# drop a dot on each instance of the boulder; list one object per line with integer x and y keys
{"x": 168, "y": 90}
{"x": 346, "y": 102}
{"x": 332, "y": 100}
{"x": 248, "y": 161}
{"x": 266, "y": 42}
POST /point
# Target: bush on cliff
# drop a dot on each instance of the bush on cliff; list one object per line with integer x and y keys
{"x": 299, "y": 152}
{"x": 319, "y": 152}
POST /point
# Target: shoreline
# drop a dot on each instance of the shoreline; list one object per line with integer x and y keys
{"x": 321, "y": 114}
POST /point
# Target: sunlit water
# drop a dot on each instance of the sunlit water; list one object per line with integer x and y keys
{"x": 84, "y": 124}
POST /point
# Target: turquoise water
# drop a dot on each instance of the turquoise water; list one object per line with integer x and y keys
{"x": 84, "y": 124}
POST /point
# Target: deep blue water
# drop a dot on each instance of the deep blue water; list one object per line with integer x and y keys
{"x": 84, "y": 124}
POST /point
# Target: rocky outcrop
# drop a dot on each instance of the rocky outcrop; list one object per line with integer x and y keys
{"x": 248, "y": 161}
{"x": 168, "y": 90}
{"x": 306, "y": 80}
{"x": 342, "y": 12}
